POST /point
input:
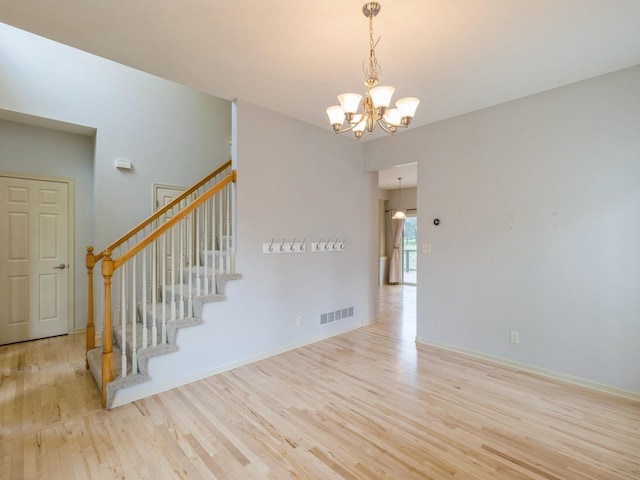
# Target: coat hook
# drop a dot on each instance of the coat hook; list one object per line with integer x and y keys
{"x": 318, "y": 245}
{"x": 292, "y": 244}
{"x": 302, "y": 245}
{"x": 282, "y": 246}
{"x": 271, "y": 246}
{"x": 335, "y": 244}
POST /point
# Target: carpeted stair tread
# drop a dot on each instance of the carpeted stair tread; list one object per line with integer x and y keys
{"x": 94, "y": 356}
{"x": 213, "y": 258}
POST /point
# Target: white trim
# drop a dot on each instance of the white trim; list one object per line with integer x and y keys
{"x": 71, "y": 321}
{"x": 123, "y": 397}
{"x": 573, "y": 380}
{"x": 49, "y": 123}
{"x": 154, "y": 193}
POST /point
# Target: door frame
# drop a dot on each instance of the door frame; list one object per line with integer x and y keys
{"x": 70, "y": 235}
{"x": 154, "y": 193}
{"x": 413, "y": 214}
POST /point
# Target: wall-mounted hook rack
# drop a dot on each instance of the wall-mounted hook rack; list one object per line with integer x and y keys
{"x": 284, "y": 246}
{"x": 328, "y": 245}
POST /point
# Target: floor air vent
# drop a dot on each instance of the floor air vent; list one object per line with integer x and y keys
{"x": 336, "y": 315}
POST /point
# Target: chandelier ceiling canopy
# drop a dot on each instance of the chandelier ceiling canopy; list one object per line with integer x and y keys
{"x": 375, "y": 107}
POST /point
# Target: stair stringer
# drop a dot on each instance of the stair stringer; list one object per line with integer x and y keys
{"x": 145, "y": 355}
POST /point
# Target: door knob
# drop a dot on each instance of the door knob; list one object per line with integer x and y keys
{"x": 62, "y": 266}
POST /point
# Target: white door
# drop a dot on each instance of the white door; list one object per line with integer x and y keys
{"x": 164, "y": 194}
{"x": 34, "y": 270}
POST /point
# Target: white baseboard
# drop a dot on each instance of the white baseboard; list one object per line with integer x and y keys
{"x": 145, "y": 390}
{"x": 582, "y": 382}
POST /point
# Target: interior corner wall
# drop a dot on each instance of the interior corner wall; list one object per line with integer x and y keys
{"x": 29, "y": 150}
{"x": 408, "y": 199}
{"x": 172, "y": 134}
{"x": 294, "y": 182}
{"x": 539, "y": 203}
{"x": 297, "y": 181}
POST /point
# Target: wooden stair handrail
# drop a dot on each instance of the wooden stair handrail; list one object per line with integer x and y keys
{"x": 133, "y": 251}
{"x": 157, "y": 214}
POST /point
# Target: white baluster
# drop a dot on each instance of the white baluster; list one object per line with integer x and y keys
{"x": 173, "y": 270}
{"x": 221, "y": 235}
{"x": 163, "y": 290}
{"x": 181, "y": 251}
{"x": 134, "y": 339}
{"x": 205, "y": 234}
{"x": 212, "y": 202}
{"x": 228, "y": 229}
{"x": 190, "y": 261}
{"x": 123, "y": 311}
{"x": 144, "y": 299}
{"x": 197, "y": 259}
{"x": 154, "y": 294}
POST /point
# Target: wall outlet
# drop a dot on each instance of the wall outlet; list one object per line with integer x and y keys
{"x": 514, "y": 337}
{"x": 299, "y": 321}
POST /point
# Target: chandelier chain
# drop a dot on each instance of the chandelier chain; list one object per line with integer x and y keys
{"x": 373, "y": 72}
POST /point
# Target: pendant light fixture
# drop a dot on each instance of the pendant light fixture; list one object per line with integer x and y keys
{"x": 375, "y": 107}
{"x": 400, "y": 213}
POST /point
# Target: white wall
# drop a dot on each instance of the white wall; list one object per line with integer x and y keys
{"x": 294, "y": 181}
{"x": 539, "y": 202}
{"x": 30, "y": 150}
{"x": 172, "y": 134}
{"x": 299, "y": 181}
{"x": 408, "y": 199}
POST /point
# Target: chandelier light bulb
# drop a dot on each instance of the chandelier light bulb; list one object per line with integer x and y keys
{"x": 381, "y": 96}
{"x": 358, "y": 129}
{"x": 407, "y": 106}
{"x": 393, "y": 117}
{"x": 336, "y": 115}
{"x": 350, "y": 102}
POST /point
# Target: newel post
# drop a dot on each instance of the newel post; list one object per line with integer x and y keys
{"x": 107, "y": 336}
{"x": 90, "y": 330}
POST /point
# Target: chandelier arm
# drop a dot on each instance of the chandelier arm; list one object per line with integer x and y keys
{"x": 347, "y": 129}
{"x": 384, "y": 126}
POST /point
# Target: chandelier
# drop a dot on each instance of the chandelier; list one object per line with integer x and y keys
{"x": 400, "y": 213}
{"x": 375, "y": 107}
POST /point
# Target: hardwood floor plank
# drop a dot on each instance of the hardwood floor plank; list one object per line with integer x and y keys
{"x": 369, "y": 404}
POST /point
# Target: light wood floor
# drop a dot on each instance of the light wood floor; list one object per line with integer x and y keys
{"x": 364, "y": 405}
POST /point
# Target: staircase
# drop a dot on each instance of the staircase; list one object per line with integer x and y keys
{"x": 156, "y": 280}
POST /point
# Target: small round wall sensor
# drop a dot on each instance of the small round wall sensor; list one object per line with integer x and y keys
{"x": 436, "y": 221}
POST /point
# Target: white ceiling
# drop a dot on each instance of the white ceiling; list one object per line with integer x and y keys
{"x": 388, "y": 179}
{"x": 294, "y": 57}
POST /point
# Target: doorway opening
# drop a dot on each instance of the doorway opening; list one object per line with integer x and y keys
{"x": 410, "y": 250}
